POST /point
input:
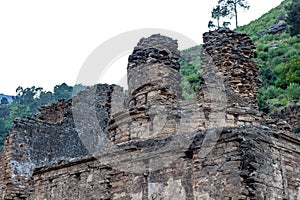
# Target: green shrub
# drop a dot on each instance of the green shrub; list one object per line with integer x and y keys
{"x": 268, "y": 97}
{"x": 263, "y": 56}
{"x": 268, "y": 37}
{"x": 254, "y": 38}
{"x": 296, "y": 46}
{"x": 272, "y": 52}
{"x": 267, "y": 75}
{"x": 276, "y": 61}
{"x": 260, "y": 47}
{"x": 291, "y": 53}
{"x": 293, "y": 40}
{"x": 290, "y": 73}
{"x": 293, "y": 91}
{"x": 187, "y": 91}
{"x": 284, "y": 101}
{"x": 266, "y": 47}
{"x": 187, "y": 69}
{"x": 278, "y": 69}
{"x": 272, "y": 92}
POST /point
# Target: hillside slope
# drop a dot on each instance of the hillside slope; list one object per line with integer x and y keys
{"x": 261, "y": 25}
{"x": 278, "y": 59}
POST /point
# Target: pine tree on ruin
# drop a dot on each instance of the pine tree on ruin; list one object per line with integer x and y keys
{"x": 219, "y": 12}
{"x": 232, "y": 7}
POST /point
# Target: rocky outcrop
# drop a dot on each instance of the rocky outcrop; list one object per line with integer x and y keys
{"x": 278, "y": 28}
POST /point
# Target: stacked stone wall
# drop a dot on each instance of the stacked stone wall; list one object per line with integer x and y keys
{"x": 244, "y": 163}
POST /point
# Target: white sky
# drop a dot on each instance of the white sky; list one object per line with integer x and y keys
{"x": 44, "y": 43}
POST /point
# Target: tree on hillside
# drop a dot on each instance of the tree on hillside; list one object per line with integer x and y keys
{"x": 293, "y": 17}
{"x": 4, "y": 101}
{"x": 219, "y": 12}
{"x": 26, "y": 95}
{"x": 63, "y": 91}
{"x": 231, "y": 7}
{"x": 45, "y": 97}
{"x": 26, "y": 103}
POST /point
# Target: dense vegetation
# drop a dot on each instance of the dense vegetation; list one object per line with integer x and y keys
{"x": 278, "y": 59}
{"x": 27, "y": 101}
{"x": 190, "y": 69}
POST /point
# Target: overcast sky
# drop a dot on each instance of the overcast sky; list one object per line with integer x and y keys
{"x": 45, "y": 43}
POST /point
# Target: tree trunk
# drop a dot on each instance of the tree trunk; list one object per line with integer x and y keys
{"x": 235, "y": 12}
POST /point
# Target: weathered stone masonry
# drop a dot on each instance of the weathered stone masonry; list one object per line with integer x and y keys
{"x": 158, "y": 146}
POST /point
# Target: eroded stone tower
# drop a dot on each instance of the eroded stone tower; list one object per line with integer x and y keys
{"x": 153, "y": 91}
{"x": 229, "y": 79}
{"x": 153, "y": 72}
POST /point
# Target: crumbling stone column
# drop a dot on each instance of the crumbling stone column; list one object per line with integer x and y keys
{"x": 153, "y": 91}
{"x": 233, "y": 55}
{"x": 153, "y": 72}
{"x": 228, "y": 60}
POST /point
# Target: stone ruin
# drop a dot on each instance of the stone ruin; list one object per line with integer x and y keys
{"x": 150, "y": 143}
